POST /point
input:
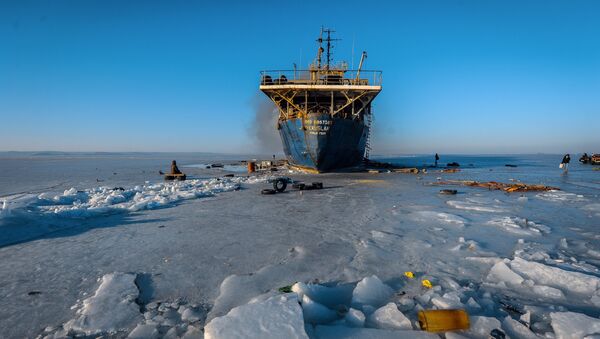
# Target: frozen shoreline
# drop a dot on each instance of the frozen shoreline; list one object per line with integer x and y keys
{"x": 213, "y": 254}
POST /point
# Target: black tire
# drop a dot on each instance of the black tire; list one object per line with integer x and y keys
{"x": 280, "y": 185}
{"x": 268, "y": 191}
{"x": 317, "y": 185}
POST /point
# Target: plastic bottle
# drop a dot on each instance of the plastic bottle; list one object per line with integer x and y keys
{"x": 443, "y": 320}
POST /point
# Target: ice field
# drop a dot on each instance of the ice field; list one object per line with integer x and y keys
{"x": 99, "y": 245}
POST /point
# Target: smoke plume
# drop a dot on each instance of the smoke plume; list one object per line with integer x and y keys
{"x": 263, "y": 129}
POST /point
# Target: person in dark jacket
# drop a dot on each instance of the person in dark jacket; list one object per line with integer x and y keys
{"x": 174, "y": 168}
{"x": 437, "y": 158}
{"x": 565, "y": 163}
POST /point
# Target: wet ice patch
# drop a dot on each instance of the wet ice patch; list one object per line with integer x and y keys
{"x": 518, "y": 226}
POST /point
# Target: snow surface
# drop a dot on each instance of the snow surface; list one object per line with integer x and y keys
{"x": 511, "y": 260}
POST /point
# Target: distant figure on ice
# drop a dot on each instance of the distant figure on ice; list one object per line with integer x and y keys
{"x": 174, "y": 168}
{"x": 565, "y": 163}
{"x": 437, "y": 158}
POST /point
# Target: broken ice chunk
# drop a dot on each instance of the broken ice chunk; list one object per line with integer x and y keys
{"x": 390, "y": 318}
{"x": 371, "y": 291}
{"x": 568, "y": 325}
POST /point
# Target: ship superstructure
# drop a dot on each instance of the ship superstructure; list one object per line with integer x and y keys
{"x": 325, "y": 111}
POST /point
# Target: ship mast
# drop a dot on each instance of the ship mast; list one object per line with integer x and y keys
{"x": 328, "y": 54}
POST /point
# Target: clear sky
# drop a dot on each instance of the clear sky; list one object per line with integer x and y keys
{"x": 459, "y": 76}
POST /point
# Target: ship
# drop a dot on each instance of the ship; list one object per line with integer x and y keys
{"x": 324, "y": 112}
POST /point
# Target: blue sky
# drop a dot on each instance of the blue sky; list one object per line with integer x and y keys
{"x": 459, "y": 76}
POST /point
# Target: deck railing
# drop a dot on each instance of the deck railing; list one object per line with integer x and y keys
{"x": 321, "y": 77}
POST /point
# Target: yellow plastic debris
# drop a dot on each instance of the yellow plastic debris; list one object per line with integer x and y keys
{"x": 443, "y": 320}
{"x": 426, "y": 283}
{"x": 409, "y": 274}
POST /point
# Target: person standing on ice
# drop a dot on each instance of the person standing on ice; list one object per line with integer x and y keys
{"x": 437, "y": 158}
{"x": 174, "y": 168}
{"x": 565, "y": 163}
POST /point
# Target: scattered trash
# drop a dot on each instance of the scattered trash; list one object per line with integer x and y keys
{"x": 448, "y": 192}
{"x": 426, "y": 283}
{"x": 510, "y": 165}
{"x": 453, "y": 164}
{"x": 268, "y": 191}
{"x": 228, "y": 175}
{"x": 444, "y": 320}
{"x": 407, "y": 170}
{"x": 409, "y": 274}
{"x": 118, "y": 189}
{"x": 493, "y": 185}
{"x": 285, "y": 289}
{"x": 302, "y": 186}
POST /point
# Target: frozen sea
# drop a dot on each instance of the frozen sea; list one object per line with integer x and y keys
{"x": 98, "y": 245}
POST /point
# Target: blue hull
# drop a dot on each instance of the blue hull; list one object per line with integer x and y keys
{"x": 324, "y": 143}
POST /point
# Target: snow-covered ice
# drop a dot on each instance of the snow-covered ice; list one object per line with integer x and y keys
{"x": 527, "y": 264}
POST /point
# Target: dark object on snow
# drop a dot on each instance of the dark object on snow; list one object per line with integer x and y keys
{"x": 314, "y": 186}
{"x": 510, "y": 165}
{"x": 317, "y": 185}
{"x": 448, "y": 192}
{"x": 268, "y": 191}
{"x": 179, "y": 177}
{"x": 497, "y": 334}
{"x": 34, "y": 293}
{"x": 299, "y": 185}
{"x": 285, "y": 289}
{"x": 207, "y": 167}
{"x": 161, "y": 172}
{"x": 280, "y": 185}
{"x": 161, "y": 226}
{"x": 453, "y": 164}
{"x": 216, "y": 165}
{"x": 174, "y": 168}
{"x": 228, "y": 175}
{"x": 118, "y": 189}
